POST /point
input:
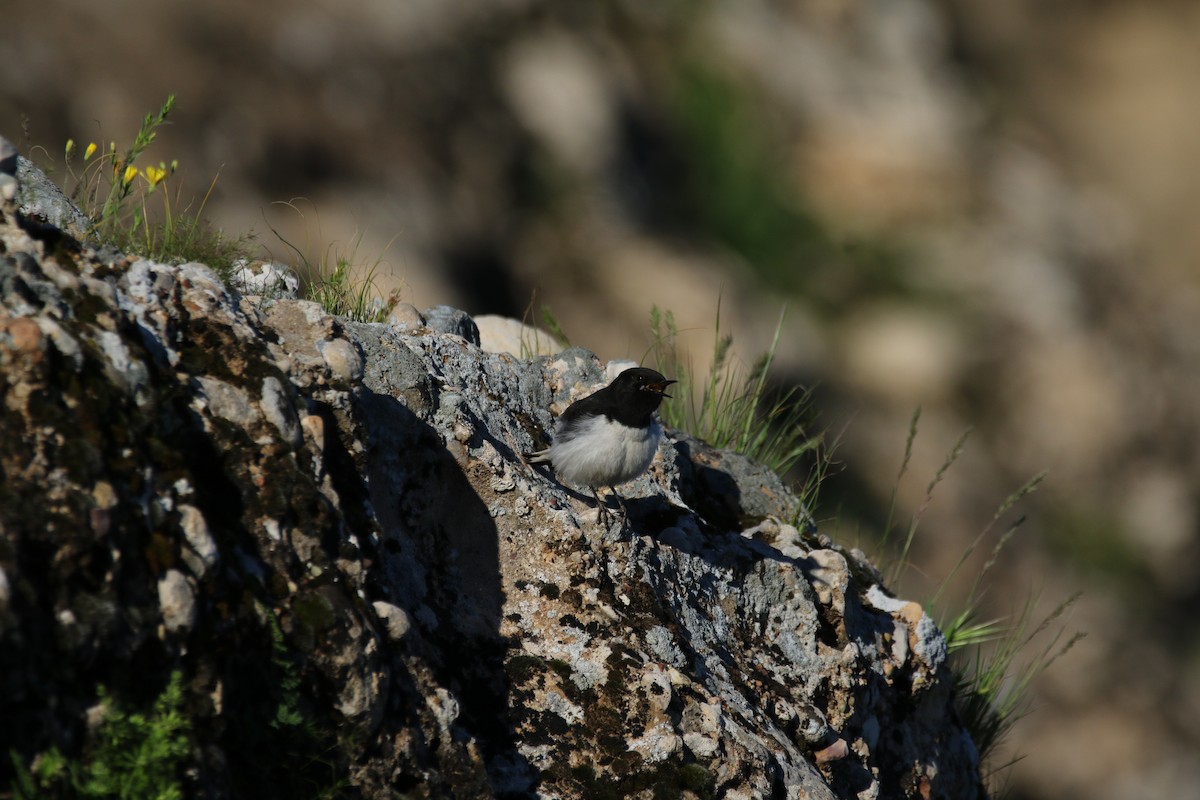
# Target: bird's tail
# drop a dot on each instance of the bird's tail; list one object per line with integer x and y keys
{"x": 537, "y": 456}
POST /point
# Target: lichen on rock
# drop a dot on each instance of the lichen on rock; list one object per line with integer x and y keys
{"x": 327, "y": 527}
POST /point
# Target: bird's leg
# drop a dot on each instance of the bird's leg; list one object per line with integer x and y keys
{"x": 602, "y": 509}
{"x": 621, "y": 503}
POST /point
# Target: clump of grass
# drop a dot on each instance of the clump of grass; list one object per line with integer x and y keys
{"x": 135, "y": 755}
{"x": 117, "y": 194}
{"x": 993, "y": 665}
{"x": 734, "y": 409}
{"x": 339, "y": 280}
{"x": 178, "y": 237}
{"x": 992, "y": 680}
{"x": 342, "y": 294}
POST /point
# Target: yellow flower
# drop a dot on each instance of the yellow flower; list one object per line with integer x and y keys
{"x": 70, "y": 146}
{"x": 130, "y": 173}
{"x": 154, "y": 176}
{"x": 90, "y": 151}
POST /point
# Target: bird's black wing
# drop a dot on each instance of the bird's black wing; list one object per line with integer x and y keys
{"x": 599, "y": 403}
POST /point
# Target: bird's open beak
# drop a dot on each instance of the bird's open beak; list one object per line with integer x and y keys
{"x": 659, "y": 389}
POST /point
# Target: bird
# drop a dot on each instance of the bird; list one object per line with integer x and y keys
{"x": 609, "y": 437}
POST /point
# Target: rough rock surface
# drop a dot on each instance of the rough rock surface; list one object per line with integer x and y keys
{"x": 326, "y": 527}
{"x": 41, "y": 202}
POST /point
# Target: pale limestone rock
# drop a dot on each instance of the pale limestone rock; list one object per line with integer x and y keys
{"x": 202, "y": 554}
{"x": 177, "y": 601}
{"x": 506, "y": 335}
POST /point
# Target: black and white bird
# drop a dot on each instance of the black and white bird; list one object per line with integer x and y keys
{"x": 609, "y": 437}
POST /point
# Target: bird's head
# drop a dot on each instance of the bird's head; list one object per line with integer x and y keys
{"x": 644, "y": 379}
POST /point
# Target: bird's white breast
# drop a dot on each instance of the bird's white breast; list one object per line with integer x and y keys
{"x": 605, "y": 453}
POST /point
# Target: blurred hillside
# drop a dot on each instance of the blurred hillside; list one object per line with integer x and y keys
{"x": 979, "y": 209}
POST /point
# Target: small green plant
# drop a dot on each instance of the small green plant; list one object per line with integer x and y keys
{"x": 287, "y": 711}
{"x": 140, "y": 755}
{"x": 990, "y": 658}
{"x": 116, "y": 193}
{"x": 337, "y": 280}
{"x": 278, "y": 747}
{"x": 531, "y": 345}
{"x": 106, "y": 189}
{"x": 44, "y": 779}
{"x": 134, "y": 755}
{"x": 734, "y": 409}
{"x": 552, "y": 325}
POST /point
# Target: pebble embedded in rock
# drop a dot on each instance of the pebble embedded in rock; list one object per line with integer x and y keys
{"x": 405, "y": 318}
{"x": 177, "y": 601}
{"x": 199, "y": 539}
{"x": 395, "y": 619}
{"x": 343, "y": 359}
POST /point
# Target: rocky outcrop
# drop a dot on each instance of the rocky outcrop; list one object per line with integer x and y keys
{"x": 327, "y": 529}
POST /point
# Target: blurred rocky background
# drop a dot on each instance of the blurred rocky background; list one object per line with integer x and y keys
{"x": 980, "y": 209}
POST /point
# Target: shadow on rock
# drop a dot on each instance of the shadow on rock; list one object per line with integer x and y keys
{"x": 439, "y": 562}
